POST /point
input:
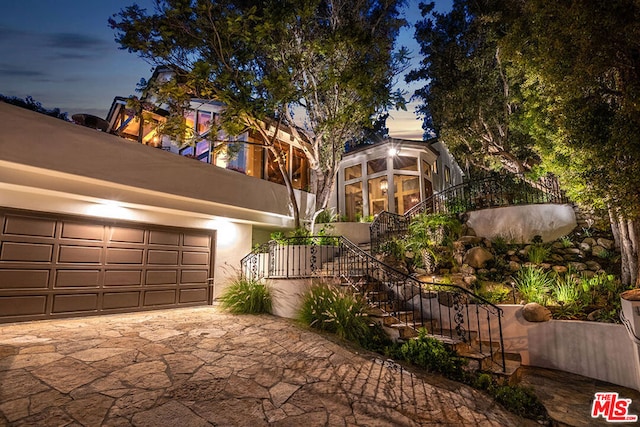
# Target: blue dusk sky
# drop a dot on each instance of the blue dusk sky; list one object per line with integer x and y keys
{"x": 63, "y": 54}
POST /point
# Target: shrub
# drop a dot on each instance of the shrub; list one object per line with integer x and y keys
{"x": 246, "y": 296}
{"x": 565, "y": 292}
{"x": 519, "y": 400}
{"x": 431, "y": 354}
{"x": 538, "y": 253}
{"x": 329, "y": 309}
{"x": 533, "y": 284}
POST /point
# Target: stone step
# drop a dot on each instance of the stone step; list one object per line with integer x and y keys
{"x": 378, "y": 296}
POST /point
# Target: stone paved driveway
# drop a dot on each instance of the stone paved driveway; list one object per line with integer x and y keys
{"x": 201, "y": 367}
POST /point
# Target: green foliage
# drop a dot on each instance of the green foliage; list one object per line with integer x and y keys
{"x": 431, "y": 354}
{"x": 500, "y": 245}
{"x": 565, "y": 292}
{"x": 245, "y": 296}
{"x": 533, "y": 284}
{"x": 327, "y": 216}
{"x": 266, "y": 60}
{"x": 495, "y": 293}
{"x": 519, "y": 400}
{"x": 469, "y": 98}
{"x": 566, "y": 242}
{"x": 326, "y": 308}
{"x": 538, "y": 253}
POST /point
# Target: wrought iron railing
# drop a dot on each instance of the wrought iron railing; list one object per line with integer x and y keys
{"x": 445, "y": 310}
{"x": 495, "y": 191}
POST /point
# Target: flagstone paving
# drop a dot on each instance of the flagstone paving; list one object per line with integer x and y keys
{"x": 201, "y": 367}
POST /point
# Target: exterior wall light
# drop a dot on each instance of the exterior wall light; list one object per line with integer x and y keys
{"x": 393, "y": 152}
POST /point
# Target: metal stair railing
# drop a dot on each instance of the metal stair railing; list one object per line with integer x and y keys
{"x": 494, "y": 191}
{"x": 444, "y": 310}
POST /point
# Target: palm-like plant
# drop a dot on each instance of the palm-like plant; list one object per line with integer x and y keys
{"x": 428, "y": 232}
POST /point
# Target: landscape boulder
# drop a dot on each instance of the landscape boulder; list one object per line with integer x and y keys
{"x": 477, "y": 257}
{"x": 534, "y": 312}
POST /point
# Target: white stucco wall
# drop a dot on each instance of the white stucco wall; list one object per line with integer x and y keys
{"x": 357, "y": 232}
{"x": 603, "y": 351}
{"x": 288, "y": 295}
{"x": 519, "y": 224}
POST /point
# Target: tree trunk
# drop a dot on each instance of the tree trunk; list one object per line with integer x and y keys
{"x": 628, "y": 232}
{"x": 287, "y": 182}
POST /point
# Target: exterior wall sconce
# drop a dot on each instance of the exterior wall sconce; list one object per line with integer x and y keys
{"x": 393, "y": 152}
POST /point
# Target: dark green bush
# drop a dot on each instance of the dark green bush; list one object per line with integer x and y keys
{"x": 246, "y": 296}
{"x": 329, "y": 309}
{"x": 431, "y": 354}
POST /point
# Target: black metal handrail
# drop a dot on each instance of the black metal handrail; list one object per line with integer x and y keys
{"x": 445, "y": 310}
{"x": 491, "y": 192}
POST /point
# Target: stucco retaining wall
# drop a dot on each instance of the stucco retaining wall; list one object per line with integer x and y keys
{"x": 519, "y": 224}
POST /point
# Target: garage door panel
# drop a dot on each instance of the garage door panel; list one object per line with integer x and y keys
{"x": 195, "y": 258}
{"x": 164, "y": 238}
{"x": 126, "y": 235}
{"x": 77, "y": 278}
{"x": 53, "y": 266}
{"x": 162, "y": 277}
{"x": 72, "y": 230}
{"x": 24, "y": 279}
{"x": 125, "y": 256}
{"x": 201, "y": 241}
{"x": 26, "y": 252}
{"x": 160, "y": 297}
{"x": 72, "y": 303}
{"x": 123, "y": 278}
{"x": 29, "y": 305}
{"x": 27, "y": 226}
{"x": 121, "y": 300}
{"x": 80, "y": 254}
{"x": 157, "y": 257}
{"x": 193, "y": 295}
{"x": 194, "y": 276}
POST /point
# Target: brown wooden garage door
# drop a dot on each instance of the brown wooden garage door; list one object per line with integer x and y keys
{"x": 60, "y": 267}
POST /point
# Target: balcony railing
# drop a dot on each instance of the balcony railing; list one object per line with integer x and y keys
{"x": 495, "y": 191}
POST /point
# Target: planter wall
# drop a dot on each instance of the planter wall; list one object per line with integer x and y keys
{"x": 357, "y": 232}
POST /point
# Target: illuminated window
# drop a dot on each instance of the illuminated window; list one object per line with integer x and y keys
{"x": 447, "y": 174}
{"x": 353, "y": 200}
{"x": 405, "y": 163}
{"x": 204, "y": 121}
{"x": 300, "y": 170}
{"x": 273, "y": 171}
{"x": 352, "y": 172}
{"x": 406, "y": 192}
{"x": 378, "y": 195}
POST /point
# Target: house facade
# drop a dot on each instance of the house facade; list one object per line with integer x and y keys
{"x": 96, "y": 223}
{"x": 392, "y": 175}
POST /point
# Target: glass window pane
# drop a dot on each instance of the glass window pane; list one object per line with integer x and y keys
{"x": 204, "y": 121}
{"x": 378, "y": 197}
{"x": 353, "y": 200}
{"x": 405, "y": 163}
{"x": 299, "y": 170}
{"x": 426, "y": 168}
{"x": 352, "y": 172}
{"x": 273, "y": 171}
{"x": 377, "y": 165}
{"x": 255, "y": 160}
{"x": 406, "y": 192}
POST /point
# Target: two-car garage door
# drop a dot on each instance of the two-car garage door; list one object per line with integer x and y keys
{"x": 64, "y": 266}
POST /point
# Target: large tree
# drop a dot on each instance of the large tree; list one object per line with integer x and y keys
{"x": 580, "y": 60}
{"x": 470, "y": 99}
{"x": 332, "y": 62}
